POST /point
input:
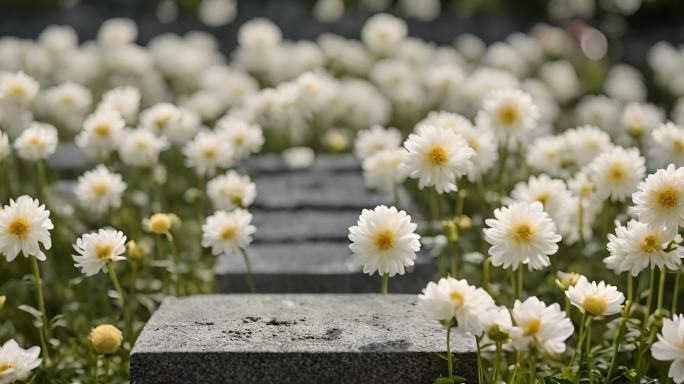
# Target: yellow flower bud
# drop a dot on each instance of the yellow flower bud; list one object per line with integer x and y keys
{"x": 567, "y": 279}
{"x": 159, "y": 223}
{"x": 106, "y": 339}
{"x": 2, "y": 301}
{"x": 134, "y": 251}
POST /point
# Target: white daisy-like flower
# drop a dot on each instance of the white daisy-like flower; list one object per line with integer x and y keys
{"x": 437, "y": 157}
{"x": 24, "y": 226}
{"x": 447, "y": 120}
{"x": 638, "y": 119}
{"x": 37, "y": 142}
{"x": 552, "y": 193}
{"x": 18, "y": 88}
{"x": 5, "y": 146}
{"x": 207, "y": 152}
{"x": 94, "y": 251}
{"x": 382, "y": 33}
{"x": 125, "y": 100}
{"x": 659, "y": 200}
{"x": 548, "y": 154}
{"x": 298, "y": 157}
{"x": 165, "y": 119}
{"x": 228, "y": 232}
{"x": 375, "y": 139}
{"x": 141, "y": 147}
{"x": 100, "y": 190}
{"x": 485, "y": 146}
{"x": 667, "y": 145}
{"x": 246, "y": 138}
{"x": 586, "y": 142}
{"x": 17, "y": 363}
{"x": 636, "y": 246}
{"x": 101, "y": 132}
{"x": 231, "y": 190}
{"x": 509, "y": 113}
{"x": 596, "y": 299}
{"x": 617, "y": 172}
{"x": 384, "y": 170}
{"x": 522, "y": 233}
{"x": 384, "y": 240}
{"x": 547, "y": 327}
{"x": 450, "y": 299}
{"x": 669, "y": 347}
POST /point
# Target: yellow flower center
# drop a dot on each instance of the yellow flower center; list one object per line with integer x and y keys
{"x": 651, "y": 243}
{"x": 239, "y": 139}
{"x": 586, "y": 189}
{"x": 595, "y": 305}
{"x": 437, "y": 155}
{"x": 209, "y": 153}
{"x": 635, "y": 128}
{"x": 160, "y": 223}
{"x": 141, "y": 145}
{"x": 17, "y": 90}
{"x": 228, "y": 232}
{"x": 19, "y": 227}
{"x": 102, "y": 130}
{"x": 544, "y": 198}
{"x": 617, "y": 172}
{"x": 5, "y": 366}
{"x": 523, "y": 232}
{"x": 384, "y": 239}
{"x": 458, "y": 297}
{"x": 508, "y": 114}
{"x": 103, "y": 251}
{"x": 474, "y": 144}
{"x": 36, "y": 141}
{"x": 532, "y": 327}
{"x": 667, "y": 197}
{"x": 161, "y": 121}
{"x": 99, "y": 188}
{"x": 678, "y": 145}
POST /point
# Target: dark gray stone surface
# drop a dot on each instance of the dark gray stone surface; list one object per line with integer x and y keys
{"x": 317, "y": 190}
{"x": 273, "y": 163}
{"x": 295, "y": 339}
{"x": 303, "y": 225}
{"x": 317, "y": 267}
{"x": 68, "y": 157}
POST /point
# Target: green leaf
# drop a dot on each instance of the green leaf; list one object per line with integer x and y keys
{"x": 442, "y": 356}
{"x": 443, "y": 380}
{"x": 38, "y": 315}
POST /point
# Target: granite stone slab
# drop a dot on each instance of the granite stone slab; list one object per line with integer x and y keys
{"x": 318, "y": 190}
{"x": 303, "y": 225}
{"x": 68, "y": 157}
{"x": 315, "y": 267}
{"x": 352, "y": 339}
{"x": 274, "y": 163}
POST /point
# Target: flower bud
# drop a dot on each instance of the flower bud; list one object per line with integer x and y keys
{"x": 2, "y": 302}
{"x": 135, "y": 251}
{"x": 159, "y": 223}
{"x": 106, "y": 339}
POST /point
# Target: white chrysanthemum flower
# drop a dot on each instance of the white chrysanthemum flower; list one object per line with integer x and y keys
{"x": 18, "y": 88}
{"x": 549, "y": 154}
{"x": 160, "y": 118}
{"x": 617, "y": 172}
{"x": 384, "y": 240}
{"x": 450, "y": 299}
{"x": 547, "y": 327}
{"x": 207, "y": 152}
{"x": 298, "y": 157}
{"x": 446, "y": 120}
{"x": 125, "y": 100}
{"x": 636, "y": 246}
{"x": 17, "y": 363}
{"x": 638, "y": 120}
{"x": 94, "y": 251}
{"x": 141, "y": 147}
{"x": 586, "y": 142}
{"x": 521, "y": 233}
{"x": 667, "y": 145}
{"x": 24, "y": 225}
{"x": 228, "y": 232}
{"x": 669, "y": 347}
{"x": 37, "y": 142}
{"x": 100, "y": 190}
{"x": 5, "y": 146}
{"x": 600, "y": 111}
{"x": 216, "y": 13}
{"x": 659, "y": 200}
{"x": 596, "y": 299}
{"x": 68, "y": 98}
{"x": 382, "y": 33}
{"x": 509, "y": 113}
{"x": 552, "y": 193}
{"x": 101, "y": 131}
{"x": 437, "y": 157}
{"x": 231, "y": 190}
{"x": 246, "y": 138}
{"x": 259, "y": 33}
{"x": 485, "y": 146}
{"x": 375, "y": 139}
{"x": 117, "y": 32}
{"x": 385, "y": 170}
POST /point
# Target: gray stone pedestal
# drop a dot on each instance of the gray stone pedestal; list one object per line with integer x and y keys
{"x": 284, "y": 339}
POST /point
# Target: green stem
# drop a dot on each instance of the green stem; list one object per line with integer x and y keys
{"x": 581, "y": 221}
{"x": 514, "y": 285}
{"x": 630, "y": 288}
{"x": 589, "y": 359}
{"x": 661, "y": 289}
{"x": 122, "y": 302}
{"x": 533, "y": 366}
{"x": 41, "y": 181}
{"x": 384, "y": 285}
{"x": 450, "y": 363}
{"x": 176, "y": 264}
{"x": 45, "y": 329}
{"x": 675, "y": 293}
{"x": 497, "y": 362}
{"x": 395, "y": 196}
{"x": 480, "y": 368}
{"x": 649, "y": 299}
{"x": 250, "y": 278}
{"x": 521, "y": 271}
{"x": 618, "y": 338}
{"x": 460, "y": 199}
{"x": 502, "y": 166}
{"x": 486, "y": 272}
{"x": 580, "y": 340}
{"x": 106, "y": 367}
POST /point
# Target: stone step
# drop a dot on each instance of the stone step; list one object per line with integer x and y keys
{"x": 274, "y": 163}
{"x": 287, "y": 339}
{"x": 315, "y": 267}
{"x": 303, "y": 225}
